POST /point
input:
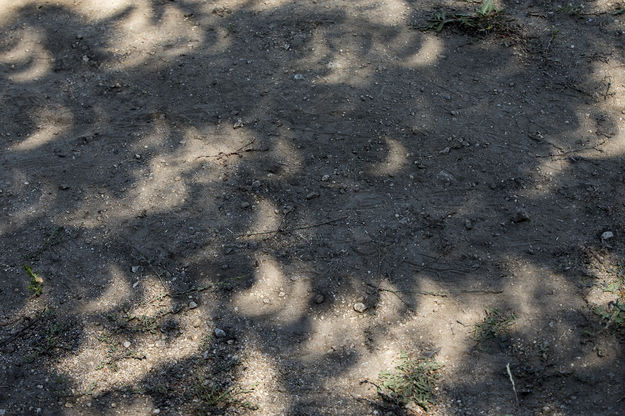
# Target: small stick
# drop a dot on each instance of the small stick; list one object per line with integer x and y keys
{"x": 516, "y": 396}
{"x": 222, "y": 154}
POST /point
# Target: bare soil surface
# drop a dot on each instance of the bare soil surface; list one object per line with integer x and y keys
{"x": 256, "y": 207}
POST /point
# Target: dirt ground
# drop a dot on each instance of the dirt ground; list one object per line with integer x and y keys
{"x": 256, "y": 207}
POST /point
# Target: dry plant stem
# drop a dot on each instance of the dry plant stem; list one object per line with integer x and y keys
{"x": 516, "y": 396}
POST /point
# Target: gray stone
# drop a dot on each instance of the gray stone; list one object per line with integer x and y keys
{"x": 192, "y": 305}
{"x": 607, "y": 235}
{"x": 445, "y": 177}
{"x": 220, "y": 333}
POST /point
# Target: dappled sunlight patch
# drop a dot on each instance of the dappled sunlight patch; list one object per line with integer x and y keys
{"x": 155, "y": 335}
{"x": 118, "y": 290}
{"x": 530, "y": 286}
{"x": 395, "y": 161}
{"x": 216, "y": 144}
{"x": 162, "y": 191}
{"x": 139, "y": 39}
{"x": 545, "y": 177}
{"x": 371, "y": 363}
{"x": 267, "y": 219}
{"x": 8, "y": 9}
{"x": 345, "y": 69}
{"x": 99, "y": 10}
{"x": 430, "y": 50}
{"x": 44, "y": 198}
{"x": 260, "y": 299}
{"x": 288, "y": 157}
{"x": 109, "y": 363}
{"x": 274, "y": 295}
{"x": 28, "y": 59}
{"x": 263, "y": 373}
{"x": 388, "y": 13}
{"x": 51, "y": 122}
{"x": 154, "y": 139}
{"x": 332, "y": 331}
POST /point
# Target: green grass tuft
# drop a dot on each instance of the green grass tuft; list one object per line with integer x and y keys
{"x": 36, "y": 283}
{"x": 495, "y": 324}
{"x": 411, "y": 381}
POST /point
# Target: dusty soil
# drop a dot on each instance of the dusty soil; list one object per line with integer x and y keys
{"x": 207, "y": 188}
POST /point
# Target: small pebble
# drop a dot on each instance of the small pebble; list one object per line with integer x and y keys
{"x": 312, "y": 195}
{"x": 127, "y": 344}
{"x": 220, "y": 333}
{"x": 360, "y": 307}
{"x": 134, "y": 269}
{"x": 156, "y": 411}
{"x": 192, "y": 305}
{"x": 445, "y": 176}
{"x": 319, "y": 299}
{"x": 607, "y": 235}
{"x": 245, "y": 205}
{"x": 238, "y": 124}
{"x": 325, "y": 178}
{"x": 298, "y": 77}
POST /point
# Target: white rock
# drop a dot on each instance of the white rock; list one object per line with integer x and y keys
{"x": 445, "y": 177}
{"x": 127, "y": 344}
{"x": 360, "y": 307}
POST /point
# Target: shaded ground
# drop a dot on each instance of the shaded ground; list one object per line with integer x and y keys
{"x": 207, "y": 188}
